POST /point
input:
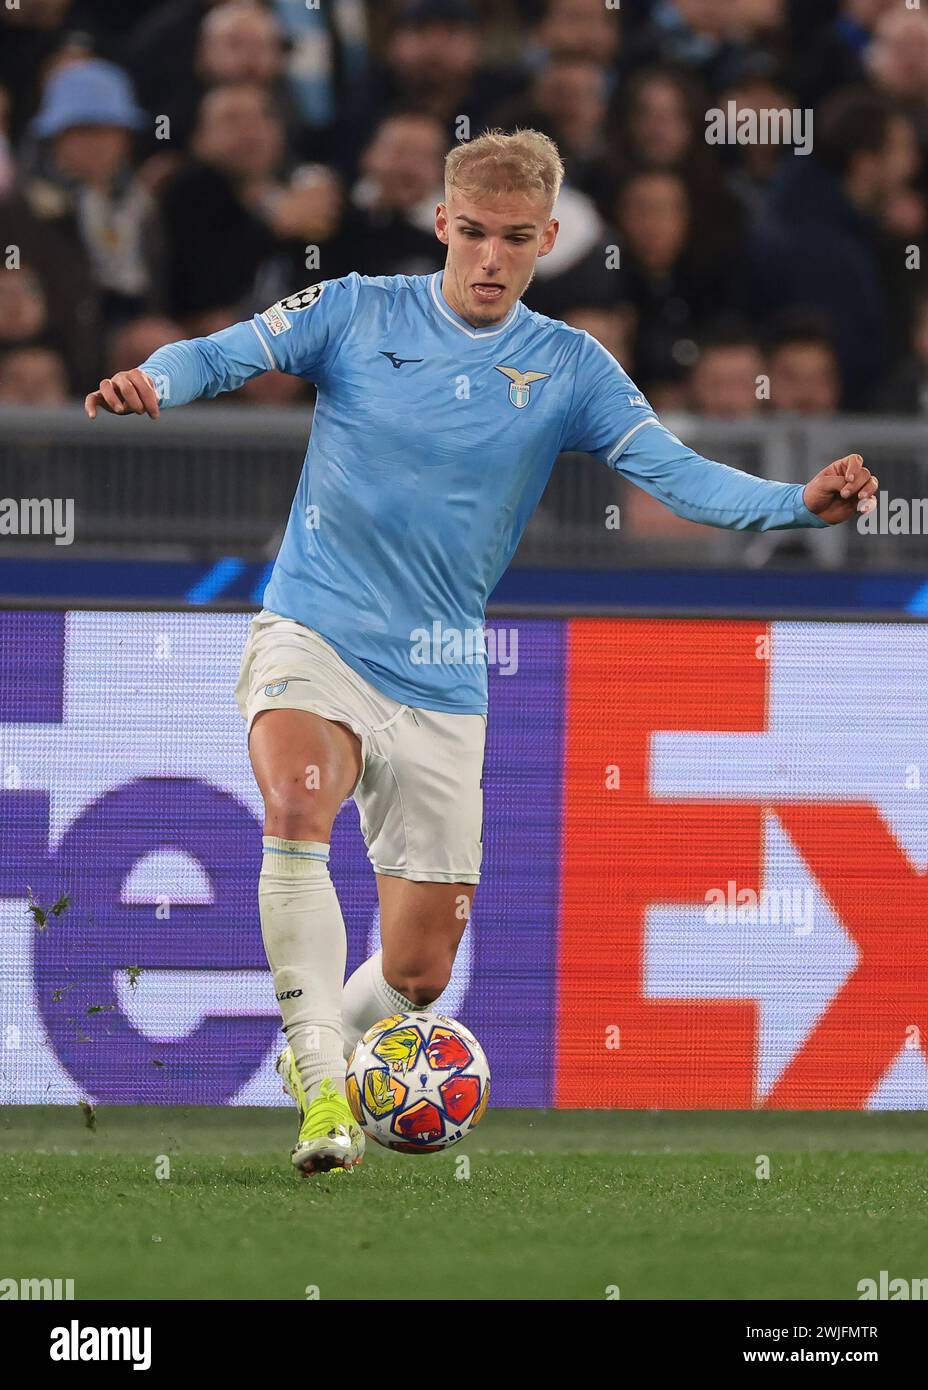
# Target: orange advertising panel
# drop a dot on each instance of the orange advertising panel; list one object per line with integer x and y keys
{"x": 744, "y": 904}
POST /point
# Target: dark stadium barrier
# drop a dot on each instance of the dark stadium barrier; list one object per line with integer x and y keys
{"x": 218, "y": 479}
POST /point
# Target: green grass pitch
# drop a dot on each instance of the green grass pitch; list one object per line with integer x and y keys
{"x": 558, "y": 1205}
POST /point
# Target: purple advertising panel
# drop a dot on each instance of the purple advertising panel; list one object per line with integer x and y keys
{"x": 130, "y": 844}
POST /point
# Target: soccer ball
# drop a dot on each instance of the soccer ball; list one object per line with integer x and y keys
{"x": 417, "y": 1083}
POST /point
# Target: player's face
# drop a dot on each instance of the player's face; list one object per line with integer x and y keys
{"x": 493, "y": 243}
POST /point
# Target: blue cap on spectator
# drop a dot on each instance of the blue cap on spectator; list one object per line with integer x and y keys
{"x": 417, "y": 12}
{"x": 87, "y": 93}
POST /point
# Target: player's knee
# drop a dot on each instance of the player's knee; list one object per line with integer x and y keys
{"x": 294, "y": 813}
{"x": 421, "y": 987}
{"x": 424, "y": 992}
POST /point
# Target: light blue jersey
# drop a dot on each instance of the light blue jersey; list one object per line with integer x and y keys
{"x": 431, "y": 444}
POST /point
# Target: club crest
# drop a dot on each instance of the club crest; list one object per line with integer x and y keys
{"x": 520, "y": 384}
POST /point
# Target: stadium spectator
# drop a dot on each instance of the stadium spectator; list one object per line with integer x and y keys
{"x": 214, "y": 236}
{"x": 54, "y": 272}
{"x": 712, "y": 38}
{"x": 23, "y": 307}
{"x": 328, "y": 57}
{"x": 752, "y": 167}
{"x": 897, "y": 63}
{"x": 390, "y": 228}
{"x": 32, "y": 376}
{"x": 661, "y": 120}
{"x": 674, "y": 291}
{"x": 85, "y": 184}
{"x": 305, "y": 143}
{"x": 433, "y": 57}
{"x": 614, "y": 329}
{"x": 305, "y": 217}
{"x": 906, "y": 392}
{"x": 29, "y": 35}
{"x": 433, "y": 65}
{"x": 242, "y": 42}
{"x": 803, "y": 366}
{"x": 161, "y": 53}
{"x": 584, "y": 30}
{"x": 660, "y": 123}
{"x": 221, "y": 44}
{"x": 897, "y": 59}
{"x": 726, "y": 377}
{"x": 568, "y": 101}
{"x": 186, "y": 46}
{"x": 232, "y": 209}
{"x": 580, "y": 268}
{"x": 831, "y": 53}
{"x": 821, "y": 244}
{"x": 139, "y": 338}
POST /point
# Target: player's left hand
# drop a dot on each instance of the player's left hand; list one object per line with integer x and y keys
{"x": 841, "y": 490}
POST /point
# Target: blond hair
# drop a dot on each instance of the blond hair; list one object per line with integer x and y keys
{"x": 526, "y": 162}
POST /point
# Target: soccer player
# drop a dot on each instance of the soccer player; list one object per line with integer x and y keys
{"x": 442, "y": 405}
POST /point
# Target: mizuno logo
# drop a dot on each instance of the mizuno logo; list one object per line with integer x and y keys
{"x": 400, "y": 361}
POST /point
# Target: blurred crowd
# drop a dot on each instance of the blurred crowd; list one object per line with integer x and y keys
{"x": 170, "y": 166}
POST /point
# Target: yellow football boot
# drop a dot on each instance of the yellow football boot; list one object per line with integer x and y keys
{"x": 330, "y": 1138}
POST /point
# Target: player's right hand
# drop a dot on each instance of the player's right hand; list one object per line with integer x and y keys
{"x": 126, "y": 393}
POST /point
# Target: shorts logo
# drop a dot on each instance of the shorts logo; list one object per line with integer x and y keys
{"x": 520, "y": 384}
{"x": 304, "y": 299}
{"x": 277, "y": 688}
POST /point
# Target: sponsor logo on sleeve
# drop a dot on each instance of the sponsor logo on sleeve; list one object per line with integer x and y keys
{"x": 275, "y": 319}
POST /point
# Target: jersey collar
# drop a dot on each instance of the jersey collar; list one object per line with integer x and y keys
{"x": 446, "y": 311}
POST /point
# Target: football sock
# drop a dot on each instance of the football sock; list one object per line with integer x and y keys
{"x": 306, "y": 948}
{"x": 367, "y": 998}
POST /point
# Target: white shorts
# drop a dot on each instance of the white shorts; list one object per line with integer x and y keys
{"x": 420, "y": 793}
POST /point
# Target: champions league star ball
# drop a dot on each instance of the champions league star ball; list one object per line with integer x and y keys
{"x": 418, "y": 1083}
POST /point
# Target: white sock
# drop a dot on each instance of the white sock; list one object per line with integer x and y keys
{"x": 306, "y": 948}
{"x": 367, "y": 998}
